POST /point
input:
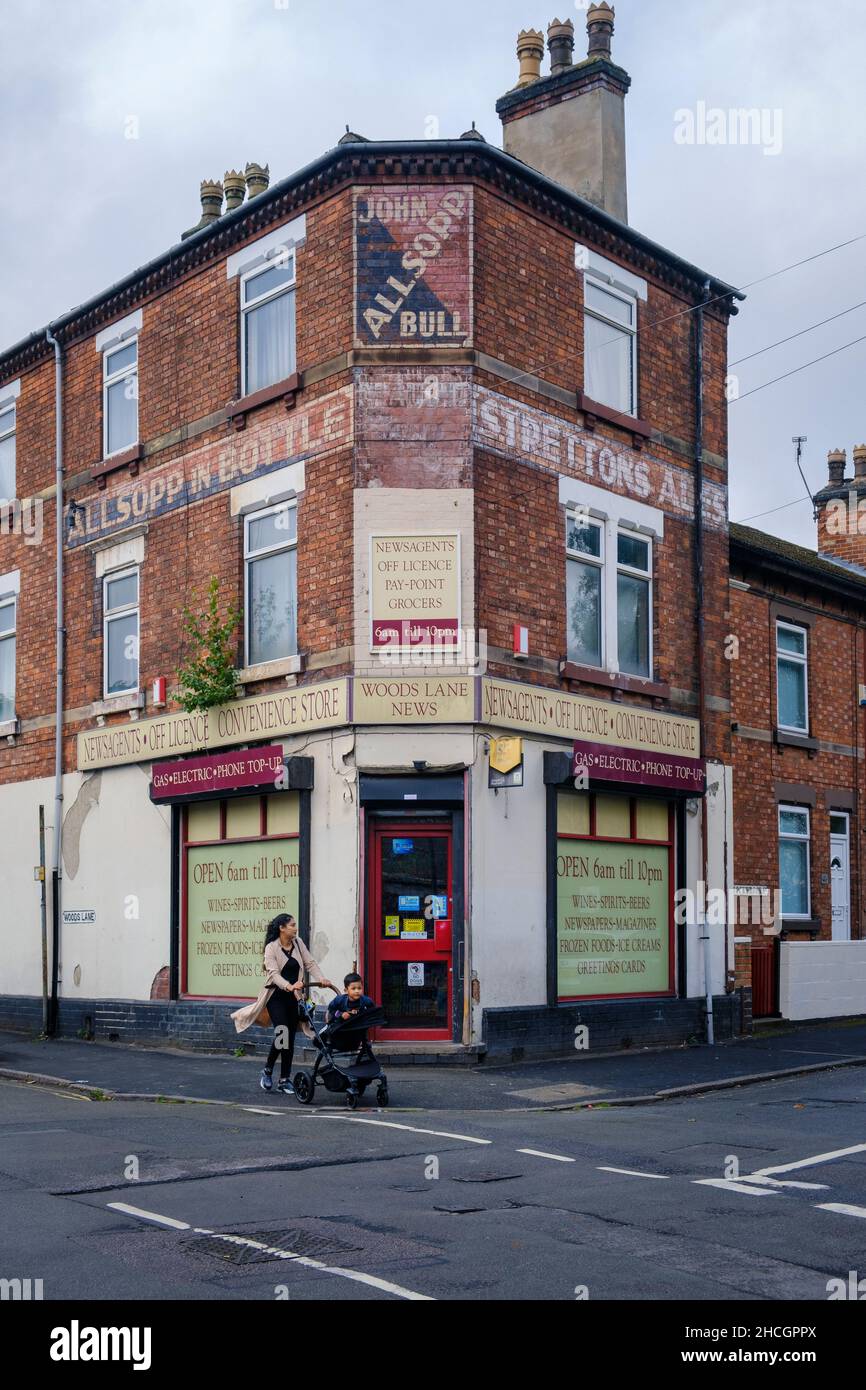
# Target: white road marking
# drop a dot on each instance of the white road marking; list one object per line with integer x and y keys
{"x": 632, "y": 1173}
{"x": 842, "y": 1208}
{"x": 390, "y": 1124}
{"x": 355, "y": 1275}
{"x": 810, "y": 1162}
{"x": 149, "y": 1216}
{"x": 729, "y": 1185}
{"x": 537, "y": 1153}
{"x": 252, "y": 1110}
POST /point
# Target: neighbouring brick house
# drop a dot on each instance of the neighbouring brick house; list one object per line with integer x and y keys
{"x": 415, "y": 393}
{"x": 798, "y": 682}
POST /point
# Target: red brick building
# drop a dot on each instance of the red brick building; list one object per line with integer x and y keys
{"x": 452, "y": 435}
{"x": 797, "y": 686}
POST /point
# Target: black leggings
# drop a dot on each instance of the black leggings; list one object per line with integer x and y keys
{"x": 283, "y": 1009}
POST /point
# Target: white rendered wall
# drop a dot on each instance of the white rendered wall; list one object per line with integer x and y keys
{"x": 822, "y": 979}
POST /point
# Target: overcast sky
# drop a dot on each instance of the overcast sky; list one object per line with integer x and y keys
{"x": 207, "y": 85}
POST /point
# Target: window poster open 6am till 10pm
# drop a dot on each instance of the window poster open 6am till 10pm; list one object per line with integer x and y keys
{"x": 233, "y": 891}
{"x": 612, "y": 918}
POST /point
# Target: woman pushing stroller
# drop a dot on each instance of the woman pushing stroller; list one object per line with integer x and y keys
{"x": 286, "y": 962}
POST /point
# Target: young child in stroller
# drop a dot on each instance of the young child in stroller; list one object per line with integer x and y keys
{"x": 350, "y": 1004}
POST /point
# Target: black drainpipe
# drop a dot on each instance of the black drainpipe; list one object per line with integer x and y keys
{"x": 699, "y": 605}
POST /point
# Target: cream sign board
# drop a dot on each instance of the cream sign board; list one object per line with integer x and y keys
{"x": 170, "y": 736}
{"x": 538, "y": 710}
{"x": 400, "y": 701}
{"x": 414, "y": 592}
{"x": 417, "y": 700}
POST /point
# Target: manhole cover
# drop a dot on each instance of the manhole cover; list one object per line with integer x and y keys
{"x": 230, "y": 1249}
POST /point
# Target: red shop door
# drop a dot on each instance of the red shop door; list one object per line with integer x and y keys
{"x": 410, "y": 912}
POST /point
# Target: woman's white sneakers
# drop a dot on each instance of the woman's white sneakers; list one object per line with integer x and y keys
{"x": 285, "y": 1088}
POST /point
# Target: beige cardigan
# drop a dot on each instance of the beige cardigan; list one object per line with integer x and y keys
{"x": 273, "y": 966}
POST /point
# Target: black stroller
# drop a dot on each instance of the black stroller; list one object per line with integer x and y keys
{"x": 345, "y": 1063}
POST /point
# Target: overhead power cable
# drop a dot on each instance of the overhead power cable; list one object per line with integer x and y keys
{"x": 792, "y": 336}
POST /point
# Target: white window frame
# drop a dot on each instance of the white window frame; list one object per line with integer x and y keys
{"x": 799, "y": 839}
{"x": 631, "y": 300}
{"x": 647, "y": 576}
{"x": 111, "y": 615}
{"x": 583, "y": 518}
{"x": 793, "y": 659}
{"x": 11, "y": 601}
{"x": 8, "y": 409}
{"x": 112, "y": 379}
{"x": 253, "y": 555}
{"x": 612, "y": 528}
{"x": 280, "y": 254}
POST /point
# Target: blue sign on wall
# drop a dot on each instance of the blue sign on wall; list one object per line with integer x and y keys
{"x": 409, "y": 904}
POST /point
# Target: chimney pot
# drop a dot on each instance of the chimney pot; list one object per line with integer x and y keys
{"x": 837, "y": 460}
{"x": 860, "y": 461}
{"x": 235, "y": 188}
{"x": 530, "y": 51}
{"x": 211, "y": 201}
{"x": 599, "y": 27}
{"x": 258, "y": 177}
{"x": 560, "y": 41}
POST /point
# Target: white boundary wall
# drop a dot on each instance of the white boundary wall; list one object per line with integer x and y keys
{"x": 822, "y": 979}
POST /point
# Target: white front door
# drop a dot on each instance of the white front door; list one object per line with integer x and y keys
{"x": 840, "y": 875}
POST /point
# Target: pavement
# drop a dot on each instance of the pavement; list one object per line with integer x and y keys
{"x": 120, "y": 1070}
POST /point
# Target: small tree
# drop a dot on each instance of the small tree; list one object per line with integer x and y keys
{"x": 209, "y": 678}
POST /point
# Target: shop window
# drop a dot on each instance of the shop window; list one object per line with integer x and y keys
{"x": 613, "y": 817}
{"x": 240, "y": 869}
{"x": 268, "y": 323}
{"x": 608, "y": 595}
{"x": 610, "y": 346}
{"x": 203, "y": 821}
{"x": 792, "y": 677}
{"x": 7, "y": 453}
{"x": 8, "y": 620}
{"x": 614, "y": 896}
{"x": 120, "y": 632}
{"x": 120, "y": 397}
{"x": 794, "y": 875}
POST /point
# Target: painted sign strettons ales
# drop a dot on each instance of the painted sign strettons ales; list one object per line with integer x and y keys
{"x": 413, "y": 281}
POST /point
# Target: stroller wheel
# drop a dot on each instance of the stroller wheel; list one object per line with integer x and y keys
{"x": 303, "y": 1088}
{"x": 382, "y": 1096}
{"x": 352, "y": 1100}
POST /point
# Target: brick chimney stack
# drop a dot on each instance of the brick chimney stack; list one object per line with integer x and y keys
{"x": 840, "y": 509}
{"x": 570, "y": 124}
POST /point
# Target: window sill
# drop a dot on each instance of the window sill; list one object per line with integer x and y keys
{"x": 130, "y": 458}
{"x": 271, "y": 670}
{"x": 593, "y": 675}
{"x": 594, "y": 411}
{"x": 286, "y": 390}
{"x": 783, "y": 739}
{"x": 119, "y": 704}
{"x": 812, "y": 927}
{"x": 9, "y": 728}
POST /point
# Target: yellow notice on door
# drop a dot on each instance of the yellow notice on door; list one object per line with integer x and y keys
{"x": 414, "y": 926}
{"x": 392, "y": 926}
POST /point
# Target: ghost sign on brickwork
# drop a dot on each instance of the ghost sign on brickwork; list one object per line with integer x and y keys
{"x": 413, "y": 266}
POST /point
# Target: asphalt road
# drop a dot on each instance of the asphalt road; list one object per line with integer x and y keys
{"x": 271, "y": 1200}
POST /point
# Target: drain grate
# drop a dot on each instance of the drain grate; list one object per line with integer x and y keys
{"x": 296, "y": 1242}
